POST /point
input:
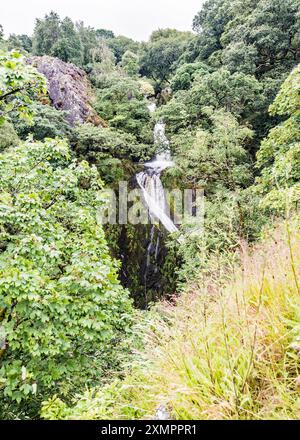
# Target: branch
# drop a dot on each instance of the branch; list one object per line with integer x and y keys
{"x": 12, "y": 92}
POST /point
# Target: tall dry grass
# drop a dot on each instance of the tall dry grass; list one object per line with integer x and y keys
{"x": 229, "y": 349}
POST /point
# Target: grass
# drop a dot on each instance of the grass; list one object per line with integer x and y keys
{"x": 229, "y": 349}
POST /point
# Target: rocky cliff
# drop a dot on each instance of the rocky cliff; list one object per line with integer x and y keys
{"x": 69, "y": 89}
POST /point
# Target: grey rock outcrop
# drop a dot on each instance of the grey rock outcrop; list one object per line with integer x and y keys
{"x": 68, "y": 87}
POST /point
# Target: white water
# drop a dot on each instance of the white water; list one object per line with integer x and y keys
{"x": 150, "y": 182}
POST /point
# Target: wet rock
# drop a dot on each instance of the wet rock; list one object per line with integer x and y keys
{"x": 69, "y": 89}
{"x": 162, "y": 413}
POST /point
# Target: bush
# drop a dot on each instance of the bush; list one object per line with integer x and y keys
{"x": 62, "y": 309}
{"x": 8, "y": 136}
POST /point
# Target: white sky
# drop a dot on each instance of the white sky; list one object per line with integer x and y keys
{"x": 133, "y": 18}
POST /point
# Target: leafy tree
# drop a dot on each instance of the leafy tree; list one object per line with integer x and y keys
{"x": 110, "y": 150}
{"x": 47, "y": 32}
{"x": 215, "y": 157}
{"x": 122, "y": 104}
{"x": 236, "y": 93}
{"x": 102, "y": 58}
{"x": 266, "y": 32}
{"x": 68, "y": 46}
{"x": 88, "y": 41}
{"x": 61, "y": 306}
{"x": 161, "y": 53}
{"x": 210, "y": 24}
{"x": 250, "y": 36}
{"x": 175, "y": 114}
{"x": 59, "y": 38}
{"x": 20, "y": 42}
{"x": 130, "y": 63}
{"x": 19, "y": 84}
{"x": 186, "y": 74}
{"x": 47, "y": 123}
{"x": 279, "y": 155}
{"x": 104, "y": 34}
{"x": 8, "y": 136}
{"x": 119, "y": 45}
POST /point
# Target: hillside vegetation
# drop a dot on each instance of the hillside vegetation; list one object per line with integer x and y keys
{"x": 229, "y": 349}
{"x": 125, "y": 320}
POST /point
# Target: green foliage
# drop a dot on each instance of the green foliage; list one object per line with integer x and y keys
{"x": 160, "y": 54}
{"x": 130, "y": 63}
{"x": 61, "y": 304}
{"x": 19, "y": 85}
{"x": 266, "y": 31}
{"x": 210, "y": 24}
{"x": 105, "y": 34}
{"x": 213, "y": 158}
{"x": 279, "y": 154}
{"x": 123, "y": 105}
{"x": 249, "y": 36}
{"x": 259, "y": 38}
{"x": 47, "y": 122}
{"x": 227, "y": 350}
{"x": 8, "y": 136}
{"x": 106, "y": 148}
{"x": 19, "y": 42}
{"x": 186, "y": 74}
{"x": 68, "y": 46}
{"x": 237, "y": 93}
{"x": 120, "y": 45}
{"x": 65, "y": 40}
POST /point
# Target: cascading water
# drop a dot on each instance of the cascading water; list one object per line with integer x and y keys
{"x": 153, "y": 191}
{"x": 150, "y": 182}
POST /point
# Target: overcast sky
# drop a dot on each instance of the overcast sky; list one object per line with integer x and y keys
{"x": 133, "y": 18}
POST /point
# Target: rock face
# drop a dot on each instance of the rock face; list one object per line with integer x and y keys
{"x": 69, "y": 89}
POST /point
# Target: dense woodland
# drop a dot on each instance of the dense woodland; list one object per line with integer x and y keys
{"x": 218, "y": 333}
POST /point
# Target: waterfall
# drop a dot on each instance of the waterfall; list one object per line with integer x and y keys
{"x": 150, "y": 182}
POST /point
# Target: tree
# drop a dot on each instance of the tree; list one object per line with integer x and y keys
{"x": 104, "y": 34}
{"x": 109, "y": 149}
{"x": 20, "y": 42}
{"x": 130, "y": 63}
{"x": 59, "y": 38}
{"x": 160, "y": 54}
{"x": 213, "y": 157}
{"x": 88, "y": 40}
{"x": 122, "y": 104}
{"x": 210, "y": 24}
{"x": 249, "y": 36}
{"x": 237, "y": 93}
{"x": 47, "y": 32}
{"x": 266, "y": 32}
{"x": 8, "y": 136}
{"x": 279, "y": 155}
{"x": 119, "y": 45}
{"x": 62, "y": 308}
{"x": 19, "y": 85}
{"x": 68, "y": 46}
{"x": 186, "y": 74}
{"x": 47, "y": 122}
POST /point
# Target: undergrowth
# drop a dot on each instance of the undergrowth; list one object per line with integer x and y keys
{"x": 228, "y": 349}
